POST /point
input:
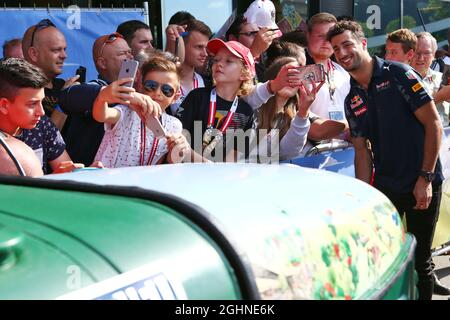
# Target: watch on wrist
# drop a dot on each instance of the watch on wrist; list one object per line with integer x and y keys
{"x": 427, "y": 175}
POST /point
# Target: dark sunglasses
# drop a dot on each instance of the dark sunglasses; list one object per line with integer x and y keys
{"x": 111, "y": 38}
{"x": 166, "y": 89}
{"x": 45, "y": 23}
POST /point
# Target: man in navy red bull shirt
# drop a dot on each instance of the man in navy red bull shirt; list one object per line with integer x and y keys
{"x": 396, "y": 133}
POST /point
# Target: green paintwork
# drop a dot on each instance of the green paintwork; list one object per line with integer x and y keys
{"x": 305, "y": 234}
{"x": 128, "y": 232}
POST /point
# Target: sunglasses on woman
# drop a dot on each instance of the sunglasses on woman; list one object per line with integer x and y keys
{"x": 166, "y": 89}
{"x": 45, "y": 23}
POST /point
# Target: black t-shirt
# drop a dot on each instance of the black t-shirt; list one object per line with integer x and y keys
{"x": 51, "y": 99}
{"x": 385, "y": 115}
{"x": 195, "y": 109}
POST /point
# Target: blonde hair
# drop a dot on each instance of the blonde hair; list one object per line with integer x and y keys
{"x": 268, "y": 116}
{"x": 246, "y": 86}
{"x": 159, "y": 62}
{"x": 320, "y": 18}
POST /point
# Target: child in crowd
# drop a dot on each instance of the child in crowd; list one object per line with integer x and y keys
{"x": 213, "y": 111}
{"x": 289, "y": 112}
{"x": 127, "y": 141}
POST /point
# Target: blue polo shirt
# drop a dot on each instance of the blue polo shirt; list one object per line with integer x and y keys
{"x": 384, "y": 114}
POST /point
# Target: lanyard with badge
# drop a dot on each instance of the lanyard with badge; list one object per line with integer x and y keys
{"x": 213, "y": 136}
{"x": 153, "y": 149}
{"x": 334, "y": 112}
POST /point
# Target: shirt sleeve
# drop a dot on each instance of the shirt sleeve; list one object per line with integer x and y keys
{"x": 411, "y": 87}
{"x": 295, "y": 138}
{"x": 79, "y": 98}
{"x": 54, "y": 142}
{"x": 258, "y": 96}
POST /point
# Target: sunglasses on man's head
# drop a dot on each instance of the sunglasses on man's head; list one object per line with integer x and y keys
{"x": 45, "y": 23}
{"x": 111, "y": 38}
{"x": 166, "y": 89}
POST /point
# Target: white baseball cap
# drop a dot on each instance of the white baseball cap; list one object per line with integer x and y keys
{"x": 262, "y": 13}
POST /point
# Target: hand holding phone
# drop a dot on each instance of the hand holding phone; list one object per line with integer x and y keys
{"x": 81, "y": 71}
{"x": 155, "y": 125}
{"x": 128, "y": 70}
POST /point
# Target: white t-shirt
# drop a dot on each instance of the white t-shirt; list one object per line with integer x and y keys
{"x": 323, "y": 104}
{"x": 121, "y": 144}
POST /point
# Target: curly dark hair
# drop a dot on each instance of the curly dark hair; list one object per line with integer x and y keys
{"x": 344, "y": 25}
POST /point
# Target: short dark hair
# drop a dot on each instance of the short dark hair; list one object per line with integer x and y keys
{"x": 10, "y": 44}
{"x": 16, "y": 74}
{"x": 128, "y": 28}
{"x": 181, "y": 17}
{"x": 344, "y": 25}
{"x": 235, "y": 27}
{"x": 199, "y": 26}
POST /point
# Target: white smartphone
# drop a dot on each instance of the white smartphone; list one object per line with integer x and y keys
{"x": 128, "y": 70}
{"x": 155, "y": 125}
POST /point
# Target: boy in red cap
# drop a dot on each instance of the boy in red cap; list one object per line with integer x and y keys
{"x": 208, "y": 113}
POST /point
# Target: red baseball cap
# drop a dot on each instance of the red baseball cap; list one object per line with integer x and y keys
{"x": 237, "y": 49}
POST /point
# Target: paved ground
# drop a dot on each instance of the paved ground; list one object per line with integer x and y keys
{"x": 443, "y": 272}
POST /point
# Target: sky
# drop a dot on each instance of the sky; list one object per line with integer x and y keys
{"x": 214, "y": 12}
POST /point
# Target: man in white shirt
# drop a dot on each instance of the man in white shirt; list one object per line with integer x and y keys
{"x": 329, "y": 103}
{"x": 423, "y": 57}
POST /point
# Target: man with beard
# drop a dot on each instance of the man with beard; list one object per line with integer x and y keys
{"x": 45, "y": 46}
{"x": 396, "y": 133}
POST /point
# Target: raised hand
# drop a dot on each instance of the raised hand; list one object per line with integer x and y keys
{"x": 144, "y": 106}
{"x": 307, "y": 97}
{"x": 262, "y": 42}
{"x": 288, "y": 76}
{"x": 71, "y": 81}
{"x": 116, "y": 92}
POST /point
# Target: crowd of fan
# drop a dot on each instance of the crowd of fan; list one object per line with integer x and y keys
{"x": 210, "y": 95}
